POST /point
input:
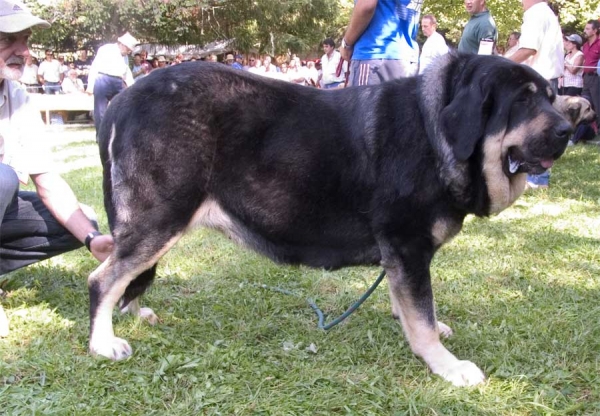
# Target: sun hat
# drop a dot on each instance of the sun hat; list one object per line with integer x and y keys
{"x": 229, "y": 56}
{"x": 128, "y": 40}
{"x": 15, "y": 17}
{"x": 161, "y": 59}
{"x": 575, "y": 38}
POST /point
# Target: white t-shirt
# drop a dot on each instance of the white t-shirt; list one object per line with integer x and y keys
{"x": 434, "y": 46}
{"x": 22, "y": 144}
{"x": 330, "y": 65}
{"x": 50, "y": 70}
{"x": 540, "y": 31}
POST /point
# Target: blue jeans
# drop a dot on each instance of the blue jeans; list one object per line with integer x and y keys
{"x": 28, "y": 231}
{"x": 542, "y": 179}
{"x": 105, "y": 89}
{"x": 51, "y": 87}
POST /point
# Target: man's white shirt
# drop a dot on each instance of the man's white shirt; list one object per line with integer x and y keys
{"x": 109, "y": 61}
{"x": 434, "y": 46}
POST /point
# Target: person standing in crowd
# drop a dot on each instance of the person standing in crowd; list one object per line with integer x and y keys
{"x": 541, "y": 48}
{"x": 33, "y": 225}
{"x": 512, "y": 45}
{"x": 229, "y": 60}
{"x": 329, "y": 64}
{"x": 435, "y": 45}
{"x": 83, "y": 64}
{"x": 481, "y": 27}
{"x": 573, "y": 73}
{"x": 30, "y": 76}
{"x": 136, "y": 69}
{"x": 591, "y": 56}
{"x": 110, "y": 74}
{"x": 239, "y": 62}
{"x": 380, "y": 41}
{"x": 49, "y": 74}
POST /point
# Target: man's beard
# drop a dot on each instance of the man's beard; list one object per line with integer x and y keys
{"x": 12, "y": 73}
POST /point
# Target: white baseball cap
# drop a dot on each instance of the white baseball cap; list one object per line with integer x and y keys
{"x": 15, "y": 17}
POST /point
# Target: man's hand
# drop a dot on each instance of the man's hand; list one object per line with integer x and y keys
{"x": 346, "y": 53}
{"x": 102, "y": 246}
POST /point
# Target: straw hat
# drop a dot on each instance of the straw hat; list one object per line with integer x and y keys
{"x": 128, "y": 40}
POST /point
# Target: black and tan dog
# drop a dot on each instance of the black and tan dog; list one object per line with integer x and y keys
{"x": 380, "y": 175}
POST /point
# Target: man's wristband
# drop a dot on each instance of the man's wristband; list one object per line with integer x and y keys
{"x": 90, "y": 237}
{"x": 345, "y": 44}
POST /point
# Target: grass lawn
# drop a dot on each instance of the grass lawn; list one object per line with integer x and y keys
{"x": 520, "y": 290}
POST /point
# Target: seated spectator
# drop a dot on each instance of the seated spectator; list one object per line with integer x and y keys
{"x": 256, "y": 65}
{"x": 269, "y": 67}
{"x": 312, "y": 75}
{"x": 295, "y": 72}
{"x": 162, "y": 62}
{"x": 136, "y": 70}
{"x": 239, "y": 62}
{"x": 71, "y": 84}
{"x": 146, "y": 68}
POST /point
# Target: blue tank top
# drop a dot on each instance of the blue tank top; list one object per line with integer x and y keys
{"x": 392, "y": 32}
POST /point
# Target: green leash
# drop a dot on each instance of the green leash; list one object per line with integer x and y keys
{"x": 321, "y": 324}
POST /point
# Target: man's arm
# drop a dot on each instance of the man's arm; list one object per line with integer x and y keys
{"x": 60, "y": 200}
{"x": 361, "y": 17}
{"x": 522, "y": 55}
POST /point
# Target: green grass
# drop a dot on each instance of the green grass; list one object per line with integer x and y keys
{"x": 520, "y": 290}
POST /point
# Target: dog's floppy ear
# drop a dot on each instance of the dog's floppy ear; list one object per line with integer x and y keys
{"x": 463, "y": 120}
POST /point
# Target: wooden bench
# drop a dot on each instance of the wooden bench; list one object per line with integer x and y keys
{"x": 62, "y": 103}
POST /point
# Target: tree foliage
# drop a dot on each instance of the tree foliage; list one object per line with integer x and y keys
{"x": 273, "y": 26}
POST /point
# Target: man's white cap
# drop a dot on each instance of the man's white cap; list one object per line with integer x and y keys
{"x": 128, "y": 40}
{"x": 15, "y": 17}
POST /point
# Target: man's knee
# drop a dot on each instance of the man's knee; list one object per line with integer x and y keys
{"x": 9, "y": 183}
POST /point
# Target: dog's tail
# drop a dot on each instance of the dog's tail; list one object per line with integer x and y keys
{"x": 104, "y": 140}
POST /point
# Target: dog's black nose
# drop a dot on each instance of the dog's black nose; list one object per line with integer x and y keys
{"x": 563, "y": 131}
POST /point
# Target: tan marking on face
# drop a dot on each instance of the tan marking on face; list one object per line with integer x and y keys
{"x": 549, "y": 92}
{"x": 502, "y": 190}
{"x": 532, "y": 87}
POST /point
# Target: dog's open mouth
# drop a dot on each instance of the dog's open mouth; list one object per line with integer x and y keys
{"x": 516, "y": 162}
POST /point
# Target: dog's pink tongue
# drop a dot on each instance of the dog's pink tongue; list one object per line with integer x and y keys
{"x": 547, "y": 164}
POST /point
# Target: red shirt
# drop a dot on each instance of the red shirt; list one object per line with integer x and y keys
{"x": 591, "y": 55}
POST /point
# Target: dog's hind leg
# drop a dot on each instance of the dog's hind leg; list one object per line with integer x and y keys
{"x": 412, "y": 300}
{"x": 133, "y": 255}
{"x": 130, "y": 301}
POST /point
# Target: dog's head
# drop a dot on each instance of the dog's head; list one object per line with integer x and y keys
{"x": 577, "y": 110}
{"x": 499, "y": 116}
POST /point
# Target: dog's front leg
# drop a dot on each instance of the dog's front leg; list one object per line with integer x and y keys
{"x": 412, "y": 303}
{"x": 106, "y": 287}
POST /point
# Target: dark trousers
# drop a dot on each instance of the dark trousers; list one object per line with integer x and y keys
{"x": 28, "y": 231}
{"x": 591, "y": 92}
{"x": 105, "y": 89}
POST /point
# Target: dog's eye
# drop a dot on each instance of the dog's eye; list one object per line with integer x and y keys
{"x": 522, "y": 99}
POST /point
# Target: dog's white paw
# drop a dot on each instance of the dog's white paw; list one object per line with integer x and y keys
{"x": 113, "y": 348}
{"x": 148, "y": 315}
{"x": 445, "y": 330}
{"x": 463, "y": 373}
